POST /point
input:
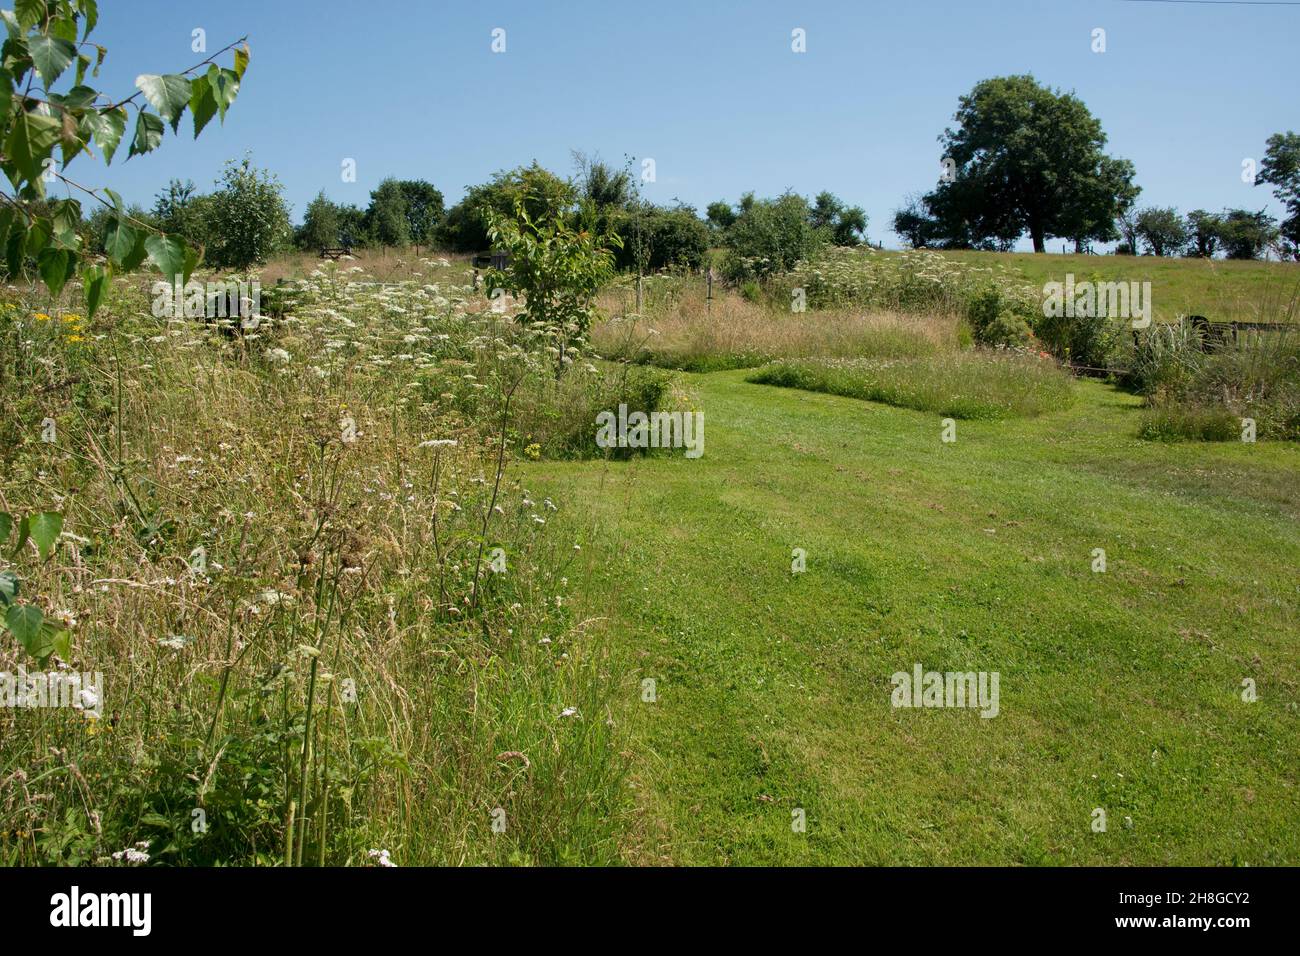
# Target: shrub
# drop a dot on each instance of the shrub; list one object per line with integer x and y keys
{"x": 997, "y": 318}
{"x": 1092, "y": 341}
{"x": 247, "y": 219}
{"x": 543, "y": 195}
{"x": 770, "y": 236}
{"x": 656, "y": 238}
{"x": 558, "y": 271}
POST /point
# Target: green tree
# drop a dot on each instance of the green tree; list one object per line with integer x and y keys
{"x": 1127, "y": 229}
{"x": 1281, "y": 169}
{"x": 913, "y": 224}
{"x": 1029, "y": 159}
{"x": 352, "y": 226}
{"x": 180, "y": 211}
{"x": 720, "y": 215}
{"x": 600, "y": 184}
{"x": 48, "y": 42}
{"x": 424, "y": 209}
{"x": 544, "y": 196}
{"x": 770, "y": 236}
{"x": 839, "y": 224}
{"x": 386, "y": 219}
{"x": 247, "y": 219}
{"x": 1102, "y": 201}
{"x": 657, "y": 238}
{"x": 1246, "y": 234}
{"x": 556, "y": 269}
{"x": 1163, "y": 230}
{"x": 320, "y": 224}
{"x": 1203, "y": 232}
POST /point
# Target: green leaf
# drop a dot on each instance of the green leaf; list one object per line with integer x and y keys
{"x": 136, "y": 255}
{"x": 64, "y": 26}
{"x": 14, "y": 253}
{"x": 120, "y": 241}
{"x": 24, "y": 532}
{"x": 51, "y": 55}
{"x": 168, "y": 94}
{"x": 66, "y": 220}
{"x": 168, "y": 254}
{"x": 148, "y": 134}
{"x": 45, "y": 529}
{"x": 38, "y": 235}
{"x": 60, "y": 642}
{"x": 24, "y": 622}
{"x": 77, "y": 98}
{"x": 30, "y": 13}
{"x": 225, "y": 87}
{"x": 56, "y": 266}
{"x": 9, "y": 587}
{"x": 95, "y": 280}
{"x": 6, "y": 93}
{"x": 90, "y": 9}
{"x": 6, "y": 525}
{"x": 108, "y": 127}
{"x": 203, "y": 103}
{"x": 32, "y": 140}
{"x": 192, "y": 256}
{"x": 241, "y": 60}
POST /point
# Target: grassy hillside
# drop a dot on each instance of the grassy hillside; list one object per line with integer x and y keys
{"x": 1216, "y": 288}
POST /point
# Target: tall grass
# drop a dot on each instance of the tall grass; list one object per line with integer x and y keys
{"x": 1205, "y": 395}
{"x": 982, "y": 384}
{"x": 686, "y": 331}
{"x": 344, "y": 669}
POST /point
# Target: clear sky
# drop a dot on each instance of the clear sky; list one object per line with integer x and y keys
{"x": 710, "y": 89}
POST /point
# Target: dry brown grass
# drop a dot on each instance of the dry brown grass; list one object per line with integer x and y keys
{"x": 683, "y": 330}
{"x": 388, "y": 264}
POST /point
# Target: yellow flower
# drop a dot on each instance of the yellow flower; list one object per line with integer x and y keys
{"x": 42, "y": 317}
{"x": 71, "y": 317}
{"x": 533, "y": 451}
{"x": 74, "y": 338}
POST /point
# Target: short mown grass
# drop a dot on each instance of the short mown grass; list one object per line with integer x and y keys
{"x": 982, "y": 384}
{"x": 1121, "y": 690}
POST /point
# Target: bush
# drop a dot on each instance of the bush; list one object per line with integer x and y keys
{"x": 544, "y": 196}
{"x": 770, "y": 236}
{"x": 660, "y": 238}
{"x": 247, "y": 219}
{"x": 997, "y": 318}
{"x": 1192, "y": 393}
{"x": 1092, "y": 341}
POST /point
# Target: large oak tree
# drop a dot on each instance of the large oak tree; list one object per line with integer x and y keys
{"x": 1026, "y": 158}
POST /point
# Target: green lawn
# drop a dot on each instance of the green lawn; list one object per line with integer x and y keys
{"x": 1119, "y": 690}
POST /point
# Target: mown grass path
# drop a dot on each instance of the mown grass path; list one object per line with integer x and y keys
{"x": 1119, "y": 690}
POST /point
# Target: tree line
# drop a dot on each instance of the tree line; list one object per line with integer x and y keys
{"x": 1021, "y": 159}
{"x": 1024, "y": 159}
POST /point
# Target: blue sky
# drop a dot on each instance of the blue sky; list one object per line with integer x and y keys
{"x": 709, "y": 89}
